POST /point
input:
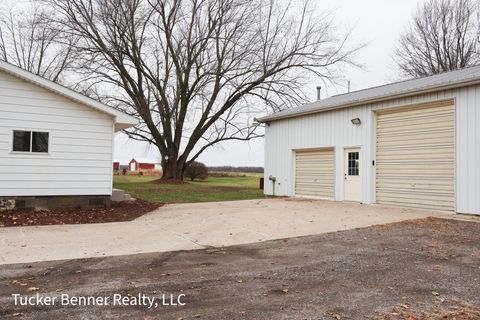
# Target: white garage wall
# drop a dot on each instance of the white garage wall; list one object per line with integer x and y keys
{"x": 80, "y": 151}
{"x": 329, "y": 129}
{"x": 334, "y": 129}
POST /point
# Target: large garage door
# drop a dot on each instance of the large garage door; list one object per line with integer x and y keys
{"x": 315, "y": 173}
{"x": 416, "y": 157}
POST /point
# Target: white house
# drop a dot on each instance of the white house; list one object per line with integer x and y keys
{"x": 414, "y": 143}
{"x": 56, "y": 145}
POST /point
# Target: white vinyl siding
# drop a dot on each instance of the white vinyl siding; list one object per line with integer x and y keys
{"x": 79, "y": 160}
{"x": 333, "y": 128}
{"x": 315, "y": 173}
{"x": 416, "y": 157}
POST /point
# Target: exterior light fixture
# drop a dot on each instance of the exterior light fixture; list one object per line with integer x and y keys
{"x": 356, "y": 121}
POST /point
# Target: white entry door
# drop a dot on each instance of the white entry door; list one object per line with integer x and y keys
{"x": 132, "y": 166}
{"x": 353, "y": 180}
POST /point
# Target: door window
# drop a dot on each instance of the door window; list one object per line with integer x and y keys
{"x": 353, "y": 163}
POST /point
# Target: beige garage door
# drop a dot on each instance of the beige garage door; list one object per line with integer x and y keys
{"x": 416, "y": 157}
{"x": 315, "y": 173}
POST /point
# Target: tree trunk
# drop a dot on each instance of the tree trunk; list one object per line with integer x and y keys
{"x": 173, "y": 169}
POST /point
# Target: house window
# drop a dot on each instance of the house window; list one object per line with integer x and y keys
{"x": 30, "y": 141}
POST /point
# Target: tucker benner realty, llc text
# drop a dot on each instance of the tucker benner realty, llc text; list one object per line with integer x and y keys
{"x": 115, "y": 300}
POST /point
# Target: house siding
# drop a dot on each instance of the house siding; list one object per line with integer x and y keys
{"x": 80, "y": 149}
{"x": 334, "y": 129}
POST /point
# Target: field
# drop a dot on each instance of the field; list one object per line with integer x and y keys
{"x": 213, "y": 189}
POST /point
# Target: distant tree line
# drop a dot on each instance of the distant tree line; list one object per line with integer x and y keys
{"x": 236, "y": 169}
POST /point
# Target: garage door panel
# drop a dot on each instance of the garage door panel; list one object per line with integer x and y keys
{"x": 426, "y": 186}
{"x": 416, "y": 142}
{"x": 322, "y": 181}
{"x": 419, "y": 110}
{"x": 423, "y": 198}
{"x": 421, "y": 195}
{"x": 421, "y": 135}
{"x": 416, "y": 203}
{"x": 412, "y": 157}
{"x": 308, "y": 189}
{"x": 320, "y": 177}
{"x": 428, "y": 123}
{"x": 415, "y": 116}
{"x": 438, "y": 150}
{"x": 415, "y": 162}
{"x": 314, "y": 173}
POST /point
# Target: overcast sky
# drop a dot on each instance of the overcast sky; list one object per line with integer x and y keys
{"x": 376, "y": 22}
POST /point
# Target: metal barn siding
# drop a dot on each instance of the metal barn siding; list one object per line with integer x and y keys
{"x": 415, "y": 156}
{"x": 324, "y": 130}
{"x": 315, "y": 173}
{"x": 334, "y": 129}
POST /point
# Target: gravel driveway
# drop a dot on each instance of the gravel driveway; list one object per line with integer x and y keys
{"x": 427, "y": 269}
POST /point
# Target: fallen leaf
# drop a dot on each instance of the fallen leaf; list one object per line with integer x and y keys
{"x": 33, "y": 289}
{"x": 435, "y": 293}
{"x": 285, "y": 290}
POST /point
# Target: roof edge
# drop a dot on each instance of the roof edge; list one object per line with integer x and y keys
{"x": 272, "y": 117}
{"x": 121, "y": 119}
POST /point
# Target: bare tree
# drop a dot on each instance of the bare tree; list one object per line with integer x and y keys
{"x": 28, "y": 40}
{"x": 196, "y": 72}
{"x": 443, "y": 37}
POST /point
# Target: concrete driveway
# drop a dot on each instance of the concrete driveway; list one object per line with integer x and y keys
{"x": 195, "y": 226}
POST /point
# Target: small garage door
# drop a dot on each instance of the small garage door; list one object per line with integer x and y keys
{"x": 314, "y": 173}
{"x": 416, "y": 157}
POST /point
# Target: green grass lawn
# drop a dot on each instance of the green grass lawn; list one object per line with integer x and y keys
{"x": 212, "y": 189}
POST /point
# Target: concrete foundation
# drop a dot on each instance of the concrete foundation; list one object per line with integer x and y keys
{"x": 55, "y": 202}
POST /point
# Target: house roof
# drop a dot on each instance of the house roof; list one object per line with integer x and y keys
{"x": 443, "y": 81}
{"x": 122, "y": 120}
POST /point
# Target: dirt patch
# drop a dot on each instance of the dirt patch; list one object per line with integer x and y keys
{"x": 217, "y": 189}
{"x": 196, "y": 190}
{"x": 168, "y": 181}
{"x": 120, "y": 211}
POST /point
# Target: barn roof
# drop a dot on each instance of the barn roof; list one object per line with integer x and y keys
{"x": 443, "y": 81}
{"x": 122, "y": 120}
{"x": 146, "y": 160}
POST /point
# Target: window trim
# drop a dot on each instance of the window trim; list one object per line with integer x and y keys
{"x": 31, "y": 142}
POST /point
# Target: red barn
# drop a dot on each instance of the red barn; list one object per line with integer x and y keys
{"x": 139, "y": 164}
{"x": 116, "y": 166}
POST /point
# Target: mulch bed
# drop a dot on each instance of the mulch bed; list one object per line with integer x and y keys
{"x": 120, "y": 211}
